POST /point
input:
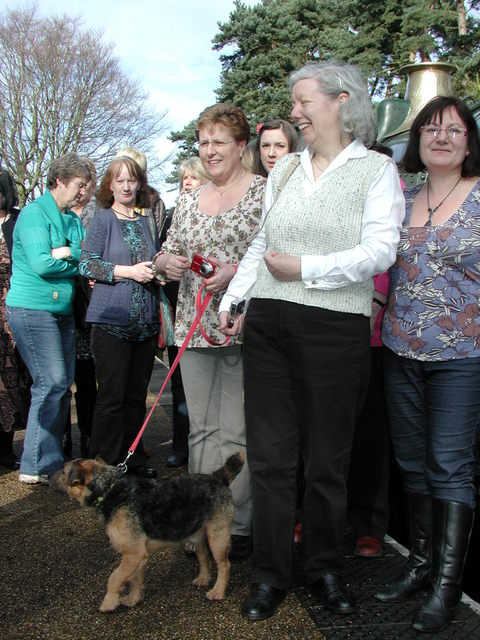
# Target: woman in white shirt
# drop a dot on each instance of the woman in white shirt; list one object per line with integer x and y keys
{"x": 331, "y": 221}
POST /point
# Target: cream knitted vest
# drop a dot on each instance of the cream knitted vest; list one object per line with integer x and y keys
{"x": 327, "y": 221}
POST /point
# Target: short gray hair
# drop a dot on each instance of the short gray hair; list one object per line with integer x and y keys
{"x": 357, "y": 119}
{"x": 67, "y": 167}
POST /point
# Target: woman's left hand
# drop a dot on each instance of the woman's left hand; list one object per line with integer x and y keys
{"x": 221, "y": 278}
{"x": 61, "y": 253}
{"x": 283, "y": 266}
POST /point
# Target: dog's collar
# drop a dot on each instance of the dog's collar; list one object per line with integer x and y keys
{"x": 97, "y": 503}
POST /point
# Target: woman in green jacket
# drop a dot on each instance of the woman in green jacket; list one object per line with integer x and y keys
{"x": 46, "y": 250}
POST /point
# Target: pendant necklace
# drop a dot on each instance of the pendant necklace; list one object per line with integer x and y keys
{"x": 235, "y": 182}
{"x": 431, "y": 212}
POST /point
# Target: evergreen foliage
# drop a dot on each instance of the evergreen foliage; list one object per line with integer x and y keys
{"x": 261, "y": 45}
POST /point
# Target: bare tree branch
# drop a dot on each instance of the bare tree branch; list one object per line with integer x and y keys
{"x": 62, "y": 89}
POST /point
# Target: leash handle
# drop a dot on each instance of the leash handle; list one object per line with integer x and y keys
{"x": 200, "y": 306}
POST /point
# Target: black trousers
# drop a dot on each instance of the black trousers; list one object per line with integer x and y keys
{"x": 306, "y": 375}
{"x": 123, "y": 371}
{"x": 368, "y": 480}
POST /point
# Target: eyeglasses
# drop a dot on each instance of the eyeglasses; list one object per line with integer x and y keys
{"x": 218, "y": 145}
{"x": 433, "y": 131}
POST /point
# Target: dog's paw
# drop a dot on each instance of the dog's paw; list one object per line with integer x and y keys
{"x": 109, "y": 604}
{"x": 131, "y": 599}
{"x": 216, "y": 593}
{"x": 202, "y": 580}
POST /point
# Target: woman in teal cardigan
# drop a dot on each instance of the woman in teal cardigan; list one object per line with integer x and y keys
{"x": 46, "y": 250}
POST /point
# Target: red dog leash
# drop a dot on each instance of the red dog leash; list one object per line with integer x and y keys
{"x": 200, "y": 307}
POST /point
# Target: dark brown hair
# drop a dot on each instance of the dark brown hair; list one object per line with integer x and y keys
{"x": 433, "y": 111}
{"x": 289, "y": 132}
{"x": 8, "y": 192}
{"x": 104, "y": 194}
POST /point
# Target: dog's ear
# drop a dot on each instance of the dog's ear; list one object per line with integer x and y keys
{"x": 77, "y": 476}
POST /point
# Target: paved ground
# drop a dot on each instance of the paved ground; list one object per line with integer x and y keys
{"x": 56, "y": 559}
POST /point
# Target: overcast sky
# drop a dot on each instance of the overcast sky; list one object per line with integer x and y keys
{"x": 164, "y": 43}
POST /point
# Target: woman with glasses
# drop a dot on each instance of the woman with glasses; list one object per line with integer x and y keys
{"x": 217, "y": 221}
{"x": 432, "y": 366}
{"x": 47, "y": 242}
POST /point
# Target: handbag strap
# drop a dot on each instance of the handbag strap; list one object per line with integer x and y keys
{"x": 293, "y": 164}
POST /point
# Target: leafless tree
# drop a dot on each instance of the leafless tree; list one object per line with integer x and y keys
{"x": 62, "y": 89}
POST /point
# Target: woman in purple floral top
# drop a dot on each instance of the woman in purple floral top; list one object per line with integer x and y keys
{"x": 431, "y": 330}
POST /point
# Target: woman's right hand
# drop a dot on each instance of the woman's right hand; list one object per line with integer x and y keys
{"x": 172, "y": 266}
{"x": 140, "y": 272}
{"x": 61, "y": 253}
{"x": 226, "y": 327}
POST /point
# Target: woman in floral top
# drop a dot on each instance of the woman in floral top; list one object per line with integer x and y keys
{"x": 432, "y": 367}
{"x": 217, "y": 221}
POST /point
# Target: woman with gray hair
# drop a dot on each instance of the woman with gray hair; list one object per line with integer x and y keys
{"x": 331, "y": 221}
{"x": 191, "y": 174}
{"x": 46, "y": 250}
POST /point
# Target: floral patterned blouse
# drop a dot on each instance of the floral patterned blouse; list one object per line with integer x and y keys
{"x": 433, "y": 308}
{"x": 225, "y": 236}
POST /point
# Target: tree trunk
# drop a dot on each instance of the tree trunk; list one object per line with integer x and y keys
{"x": 461, "y": 18}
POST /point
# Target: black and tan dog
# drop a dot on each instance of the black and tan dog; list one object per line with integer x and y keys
{"x": 144, "y": 515}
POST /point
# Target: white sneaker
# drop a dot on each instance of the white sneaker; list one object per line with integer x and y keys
{"x": 27, "y": 479}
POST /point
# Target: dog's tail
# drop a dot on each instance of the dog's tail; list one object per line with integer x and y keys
{"x": 231, "y": 468}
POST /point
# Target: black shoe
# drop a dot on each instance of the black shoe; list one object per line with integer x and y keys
{"x": 240, "y": 547}
{"x": 176, "y": 460}
{"x": 262, "y": 601}
{"x": 333, "y": 594}
{"x": 142, "y": 472}
{"x": 9, "y": 461}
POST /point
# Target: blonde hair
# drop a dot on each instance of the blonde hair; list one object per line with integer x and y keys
{"x": 134, "y": 154}
{"x": 193, "y": 166}
{"x": 248, "y": 158}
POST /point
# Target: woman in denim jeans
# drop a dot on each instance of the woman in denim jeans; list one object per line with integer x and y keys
{"x": 46, "y": 250}
{"x": 431, "y": 332}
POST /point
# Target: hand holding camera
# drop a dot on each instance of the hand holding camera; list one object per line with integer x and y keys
{"x": 203, "y": 266}
{"x": 231, "y": 322}
{"x": 142, "y": 272}
{"x": 217, "y": 274}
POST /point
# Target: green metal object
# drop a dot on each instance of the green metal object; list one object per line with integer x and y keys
{"x": 395, "y": 116}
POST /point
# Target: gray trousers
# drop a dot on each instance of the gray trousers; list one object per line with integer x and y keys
{"x": 213, "y": 384}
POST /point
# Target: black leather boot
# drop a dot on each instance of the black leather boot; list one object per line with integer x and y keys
{"x": 452, "y": 526}
{"x": 415, "y": 576}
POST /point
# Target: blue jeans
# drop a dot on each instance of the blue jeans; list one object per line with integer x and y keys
{"x": 433, "y": 409}
{"x": 46, "y": 342}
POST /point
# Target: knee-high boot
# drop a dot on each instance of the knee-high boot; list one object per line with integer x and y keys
{"x": 452, "y": 526}
{"x": 416, "y": 575}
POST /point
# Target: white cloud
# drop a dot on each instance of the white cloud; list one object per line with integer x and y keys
{"x": 166, "y": 44}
